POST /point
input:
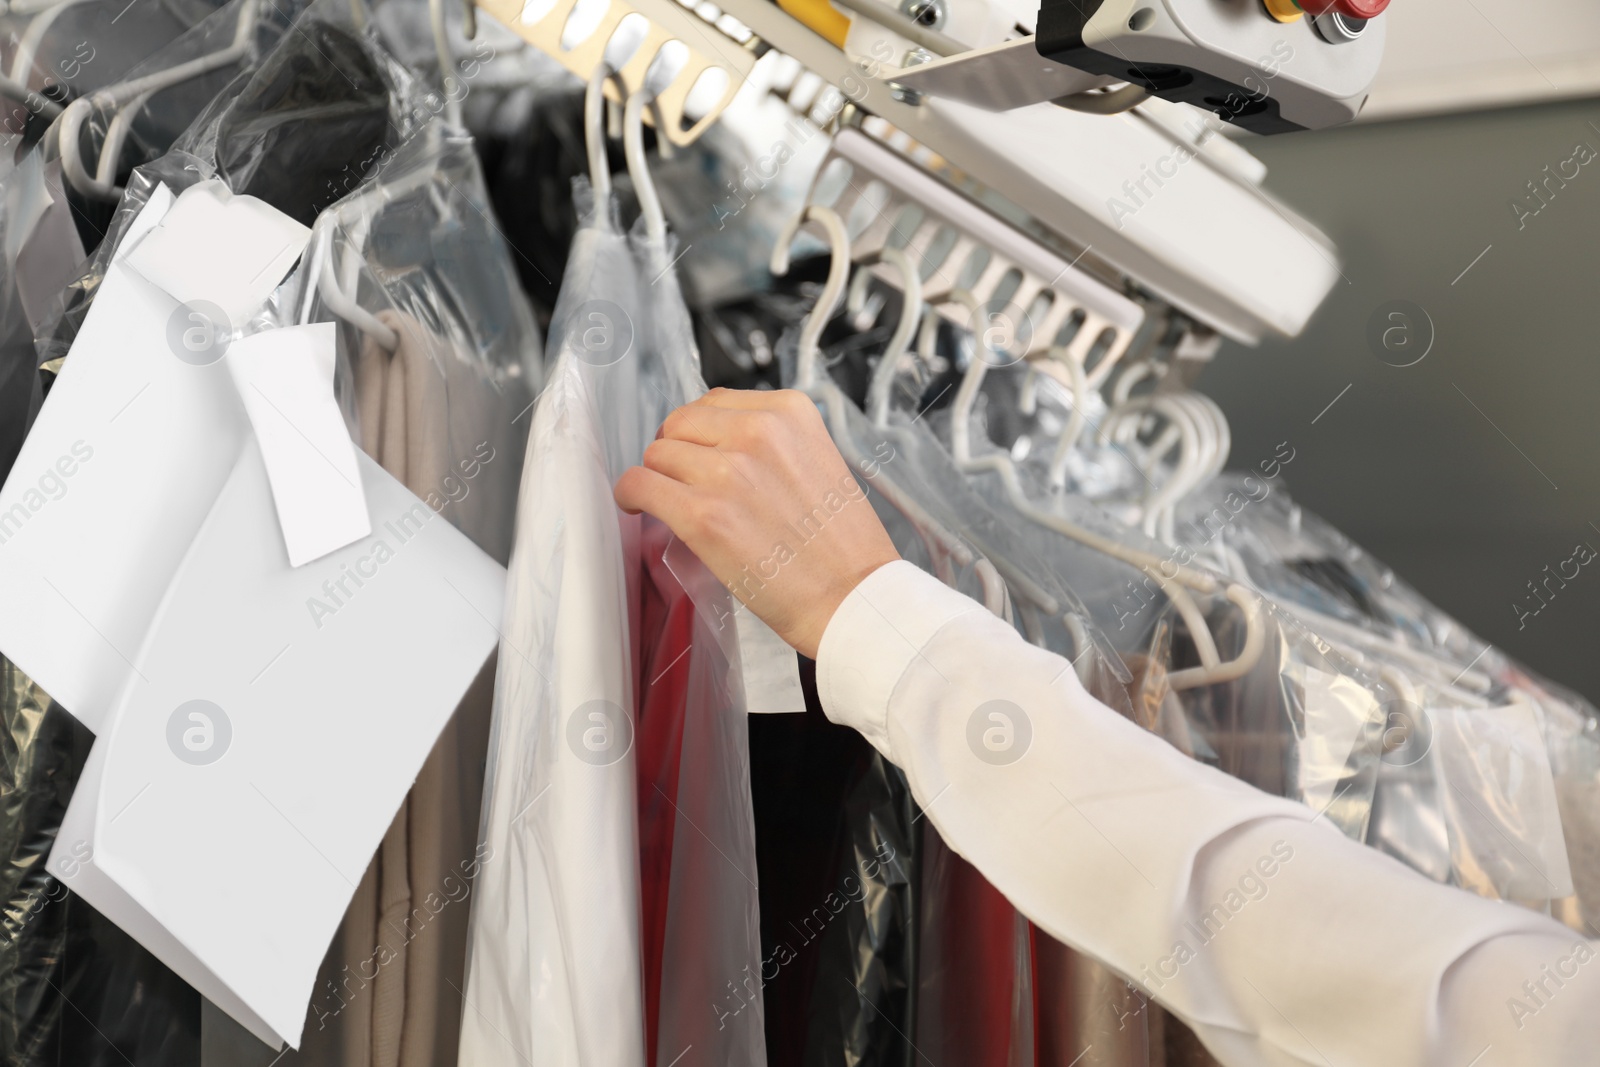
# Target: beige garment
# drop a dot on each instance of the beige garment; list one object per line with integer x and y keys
{"x": 391, "y": 984}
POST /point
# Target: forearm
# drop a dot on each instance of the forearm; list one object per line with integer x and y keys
{"x": 1276, "y": 938}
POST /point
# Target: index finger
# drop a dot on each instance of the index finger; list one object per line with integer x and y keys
{"x": 751, "y": 399}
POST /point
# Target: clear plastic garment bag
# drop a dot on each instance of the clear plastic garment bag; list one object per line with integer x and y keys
{"x": 618, "y": 910}
{"x": 440, "y": 357}
{"x": 73, "y": 987}
{"x": 1489, "y": 772}
{"x": 605, "y": 862}
{"x": 439, "y": 361}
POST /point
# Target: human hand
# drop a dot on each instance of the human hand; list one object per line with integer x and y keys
{"x": 752, "y": 483}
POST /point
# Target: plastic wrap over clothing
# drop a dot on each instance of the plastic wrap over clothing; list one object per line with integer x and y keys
{"x": 42, "y": 255}
{"x": 57, "y": 950}
{"x": 1204, "y": 903}
{"x": 932, "y": 954}
{"x": 617, "y": 751}
{"x": 1488, "y": 774}
{"x": 1478, "y": 766}
{"x": 328, "y": 117}
{"x": 704, "y": 836}
{"x": 1304, "y": 722}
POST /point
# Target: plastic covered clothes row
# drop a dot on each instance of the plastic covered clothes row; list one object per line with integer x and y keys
{"x": 328, "y": 128}
{"x": 1457, "y": 761}
{"x": 1361, "y": 700}
{"x": 304, "y": 120}
{"x": 434, "y": 273}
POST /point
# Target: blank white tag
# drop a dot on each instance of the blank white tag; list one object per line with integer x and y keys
{"x": 275, "y": 719}
{"x": 218, "y": 248}
{"x": 771, "y": 668}
{"x": 285, "y": 378}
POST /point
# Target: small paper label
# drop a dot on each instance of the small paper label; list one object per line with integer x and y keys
{"x": 226, "y": 251}
{"x": 285, "y": 379}
{"x": 771, "y": 668}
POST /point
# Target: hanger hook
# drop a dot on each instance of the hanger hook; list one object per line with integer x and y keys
{"x": 1072, "y": 433}
{"x": 967, "y": 393}
{"x": 124, "y": 99}
{"x": 448, "y": 79}
{"x": 594, "y": 134}
{"x": 644, "y": 186}
{"x": 833, "y": 292}
{"x": 910, "y": 316}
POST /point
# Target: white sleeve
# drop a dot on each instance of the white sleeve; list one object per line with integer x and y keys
{"x": 1277, "y": 939}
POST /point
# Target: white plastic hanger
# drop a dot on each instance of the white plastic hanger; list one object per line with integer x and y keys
{"x": 124, "y": 101}
{"x": 1398, "y": 665}
{"x": 1032, "y": 599}
{"x": 1183, "y": 435}
{"x": 336, "y": 271}
{"x": 912, "y": 313}
{"x": 1077, "y": 420}
{"x": 33, "y": 36}
{"x": 448, "y": 78}
{"x": 644, "y": 186}
{"x": 944, "y": 547}
{"x": 878, "y": 392}
{"x": 1177, "y": 586}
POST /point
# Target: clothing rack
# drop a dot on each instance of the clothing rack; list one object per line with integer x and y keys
{"x": 534, "y": 713}
{"x": 1012, "y": 161}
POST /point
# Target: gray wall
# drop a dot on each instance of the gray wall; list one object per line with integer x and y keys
{"x": 1467, "y": 505}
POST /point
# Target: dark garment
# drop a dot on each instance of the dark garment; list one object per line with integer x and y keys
{"x": 833, "y": 850}
{"x": 310, "y": 126}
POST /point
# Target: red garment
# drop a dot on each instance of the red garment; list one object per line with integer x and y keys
{"x": 1080, "y": 1005}
{"x": 666, "y": 654}
{"x": 973, "y": 974}
{"x": 700, "y": 934}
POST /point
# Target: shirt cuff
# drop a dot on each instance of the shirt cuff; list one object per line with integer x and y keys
{"x": 878, "y": 631}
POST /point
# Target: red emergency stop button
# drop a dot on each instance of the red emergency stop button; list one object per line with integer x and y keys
{"x": 1355, "y": 9}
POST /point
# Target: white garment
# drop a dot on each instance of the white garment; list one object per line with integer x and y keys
{"x": 1277, "y": 939}
{"x": 553, "y": 970}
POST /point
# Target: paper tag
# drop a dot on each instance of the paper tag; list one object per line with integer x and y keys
{"x": 149, "y": 217}
{"x": 137, "y": 437}
{"x": 217, "y": 248}
{"x": 285, "y": 378}
{"x": 220, "y": 256}
{"x": 770, "y": 667}
{"x": 275, "y": 721}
